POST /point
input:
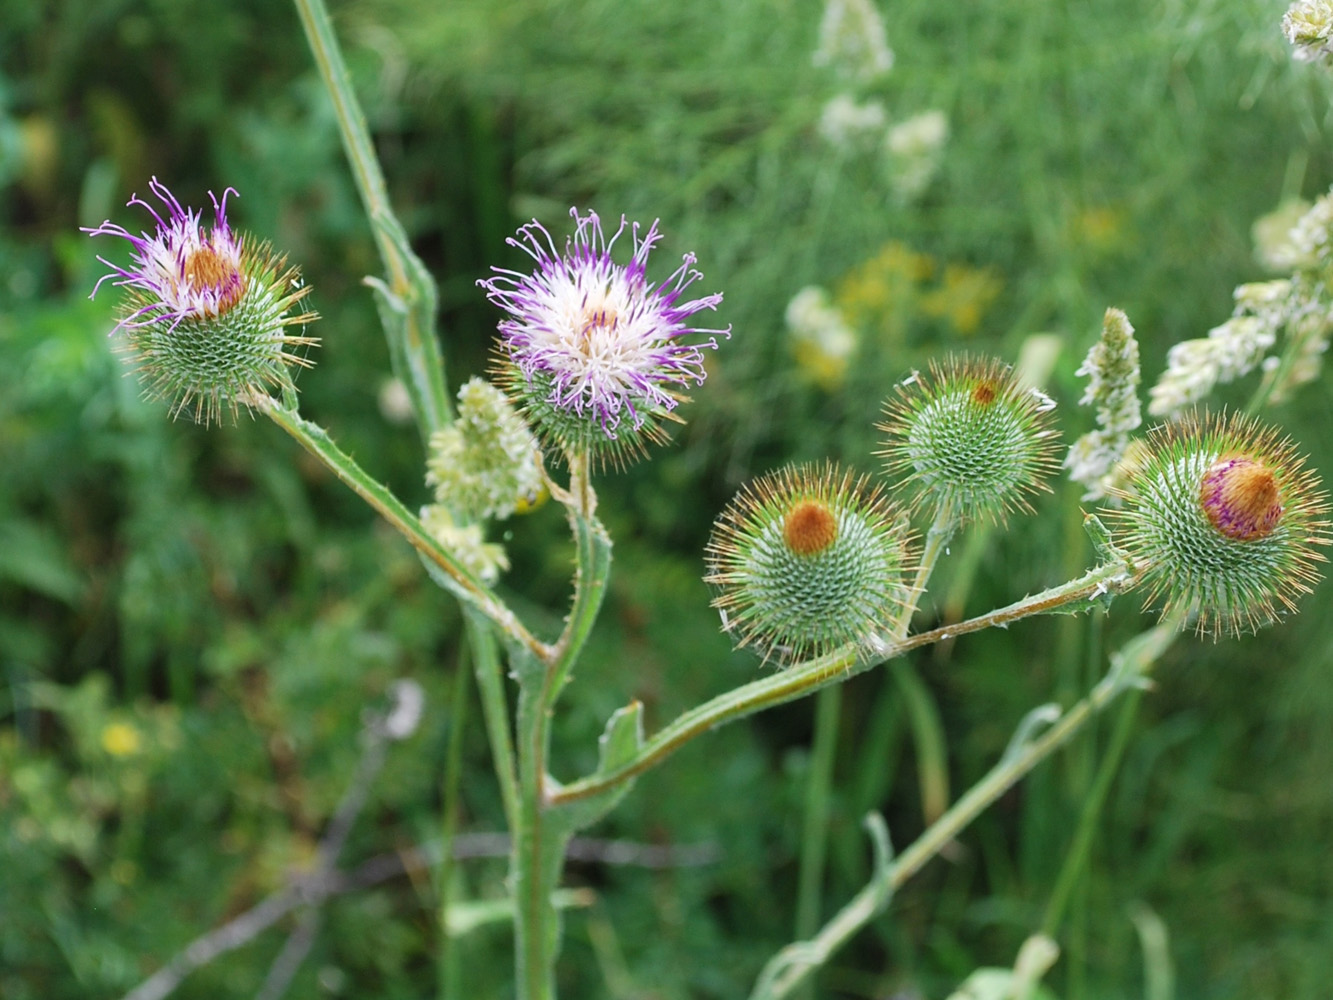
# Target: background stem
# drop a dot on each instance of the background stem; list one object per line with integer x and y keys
{"x": 408, "y": 300}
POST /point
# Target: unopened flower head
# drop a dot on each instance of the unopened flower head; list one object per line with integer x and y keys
{"x": 1222, "y": 519}
{"x": 1112, "y": 369}
{"x": 805, "y": 560}
{"x": 207, "y": 314}
{"x": 821, "y": 341}
{"x": 596, "y": 354}
{"x": 852, "y": 40}
{"x": 486, "y": 464}
{"x": 1308, "y": 25}
{"x": 969, "y": 435}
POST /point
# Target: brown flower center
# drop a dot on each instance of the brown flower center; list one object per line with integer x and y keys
{"x": 810, "y": 528}
{"x": 1241, "y": 499}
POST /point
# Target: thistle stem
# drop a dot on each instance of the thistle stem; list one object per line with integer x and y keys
{"x": 317, "y": 442}
{"x": 805, "y": 678}
{"x": 794, "y": 964}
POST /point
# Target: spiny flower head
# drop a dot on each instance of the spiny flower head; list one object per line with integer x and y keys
{"x": 968, "y": 434}
{"x": 805, "y": 560}
{"x": 1112, "y": 368}
{"x": 595, "y": 352}
{"x": 486, "y": 464}
{"x": 1222, "y": 518}
{"x": 206, "y": 312}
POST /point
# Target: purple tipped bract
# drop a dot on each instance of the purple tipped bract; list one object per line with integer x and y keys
{"x": 181, "y": 271}
{"x": 595, "y": 339}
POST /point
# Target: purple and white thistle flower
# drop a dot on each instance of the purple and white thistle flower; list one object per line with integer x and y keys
{"x": 206, "y": 312}
{"x": 595, "y": 353}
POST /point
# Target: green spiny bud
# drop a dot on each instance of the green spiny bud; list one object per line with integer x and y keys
{"x": 807, "y": 559}
{"x": 970, "y": 436}
{"x": 1221, "y": 517}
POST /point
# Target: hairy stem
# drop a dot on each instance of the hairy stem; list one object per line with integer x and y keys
{"x": 805, "y": 678}
{"x": 317, "y": 442}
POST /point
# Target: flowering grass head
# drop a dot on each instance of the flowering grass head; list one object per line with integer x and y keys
{"x": 970, "y": 436}
{"x": 1223, "y": 520}
{"x": 208, "y": 315}
{"x": 596, "y": 354}
{"x": 806, "y": 560}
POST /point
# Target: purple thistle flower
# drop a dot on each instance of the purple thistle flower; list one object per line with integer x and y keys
{"x": 182, "y": 271}
{"x": 208, "y": 316}
{"x": 592, "y": 342}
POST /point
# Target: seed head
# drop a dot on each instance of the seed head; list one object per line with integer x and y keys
{"x": 1222, "y": 518}
{"x": 207, "y": 313}
{"x": 805, "y": 560}
{"x": 970, "y": 435}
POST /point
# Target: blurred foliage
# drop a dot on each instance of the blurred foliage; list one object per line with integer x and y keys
{"x": 192, "y": 625}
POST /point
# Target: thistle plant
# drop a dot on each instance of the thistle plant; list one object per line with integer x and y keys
{"x": 814, "y": 568}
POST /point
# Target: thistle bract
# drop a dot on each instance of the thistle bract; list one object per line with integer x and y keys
{"x": 1222, "y": 519}
{"x": 968, "y": 435}
{"x": 805, "y": 560}
{"x": 596, "y": 354}
{"x": 207, "y": 314}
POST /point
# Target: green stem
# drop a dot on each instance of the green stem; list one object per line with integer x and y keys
{"x": 494, "y": 709}
{"x": 814, "y": 837}
{"x": 806, "y": 678}
{"x": 795, "y": 964}
{"x": 938, "y": 535}
{"x": 450, "y": 968}
{"x": 317, "y": 442}
{"x": 408, "y": 299}
{"x": 541, "y": 836}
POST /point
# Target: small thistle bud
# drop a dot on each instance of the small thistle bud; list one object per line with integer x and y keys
{"x": 969, "y": 435}
{"x": 596, "y": 354}
{"x": 1221, "y": 517}
{"x": 805, "y": 560}
{"x": 207, "y": 313}
{"x": 486, "y": 464}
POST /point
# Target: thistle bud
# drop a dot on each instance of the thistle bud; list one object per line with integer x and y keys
{"x": 1221, "y": 517}
{"x": 805, "y": 560}
{"x": 969, "y": 435}
{"x": 207, "y": 313}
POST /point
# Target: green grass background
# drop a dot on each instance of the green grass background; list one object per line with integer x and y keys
{"x": 216, "y": 592}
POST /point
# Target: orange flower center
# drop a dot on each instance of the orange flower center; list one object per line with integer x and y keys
{"x": 206, "y": 269}
{"x": 983, "y": 394}
{"x": 810, "y": 528}
{"x": 1240, "y": 496}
